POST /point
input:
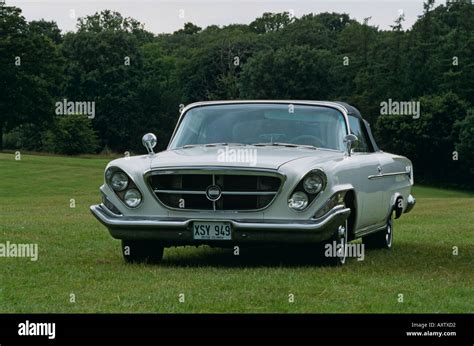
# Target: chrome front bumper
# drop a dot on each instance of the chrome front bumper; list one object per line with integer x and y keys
{"x": 175, "y": 231}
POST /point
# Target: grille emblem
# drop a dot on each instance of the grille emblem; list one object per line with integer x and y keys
{"x": 213, "y": 193}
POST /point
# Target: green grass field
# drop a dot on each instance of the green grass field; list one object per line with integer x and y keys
{"x": 77, "y": 256}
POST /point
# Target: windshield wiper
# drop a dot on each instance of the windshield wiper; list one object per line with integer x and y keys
{"x": 210, "y": 145}
{"x": 289, "y": 145}
{"x": 224, "y": 143}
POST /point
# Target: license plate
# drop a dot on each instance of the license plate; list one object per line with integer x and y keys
{"x": 212, "y": 231}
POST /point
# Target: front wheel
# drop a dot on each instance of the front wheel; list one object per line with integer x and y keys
{"x": 382, "y": 239}
{"x": 335, "y": 249}
{"x": 142, "y": 251}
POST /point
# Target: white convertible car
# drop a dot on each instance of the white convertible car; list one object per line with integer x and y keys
{"x": 257, "y": 172}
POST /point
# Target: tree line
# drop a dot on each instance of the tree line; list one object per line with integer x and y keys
{"x": 137, "y": 81}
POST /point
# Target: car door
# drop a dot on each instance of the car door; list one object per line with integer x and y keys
{"x": 370, "y": 190}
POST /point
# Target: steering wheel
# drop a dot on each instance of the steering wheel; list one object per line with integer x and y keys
{"x": 308, "y": 140}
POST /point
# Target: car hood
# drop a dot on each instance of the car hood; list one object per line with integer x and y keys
{"x": 237, "y": 156}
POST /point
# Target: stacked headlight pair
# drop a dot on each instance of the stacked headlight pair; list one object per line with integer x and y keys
{"x": 306, "y": 191}
{"x": 124, "y": 187}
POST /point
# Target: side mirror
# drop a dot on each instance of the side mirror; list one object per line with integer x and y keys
{"x": 349, "y": 141}
{"x": 149, "y": 142}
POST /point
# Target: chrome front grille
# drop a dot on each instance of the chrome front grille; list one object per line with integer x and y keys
{"x": 239, "y": 190}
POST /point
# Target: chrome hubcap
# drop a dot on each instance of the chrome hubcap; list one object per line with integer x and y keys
{"x": 388, "y": 235}
{"x": 341, "y": 252}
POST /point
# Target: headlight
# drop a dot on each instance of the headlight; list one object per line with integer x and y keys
{"x": 132, "y": 198}
{"x": 298, "y": 200}
{"x": 313, "y": 183}
{"x": 119, "y": 181}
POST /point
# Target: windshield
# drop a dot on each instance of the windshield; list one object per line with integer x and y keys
{"x": 262, "y": 124}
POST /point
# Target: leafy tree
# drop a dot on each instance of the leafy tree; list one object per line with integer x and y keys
{"x": 333, "y": 21}
{"x": 189, "y": 29}
{"x": 428, "y": 141}
{"x": 30, "y": 68}
{"x": 105, "y": 66}
{"x": 26, "y": 136}
{"x": 360, "y": 50}
{"x": 293, "y": 72}
{"x": 139, "y": 80}
{"x": 465, "y": 143}
{"x": 71, "y": 135}
{"x": 213, "y": 68}
{"x": 317, "y": 31}
{"x": 270, "y": 22}
{"x": 45, "y": 28}
{"x": 159, "y": 94}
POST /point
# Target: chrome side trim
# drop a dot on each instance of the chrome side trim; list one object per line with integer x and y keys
{"x": 383, "y": 175}
{"x": 369, "y": 231}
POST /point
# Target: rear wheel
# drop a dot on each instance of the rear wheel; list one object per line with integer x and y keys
{"x": 141, "y": 251}
{"x": 382, "y": 239}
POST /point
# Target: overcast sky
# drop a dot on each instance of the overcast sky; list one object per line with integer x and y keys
{"x": 167, "y": 16}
